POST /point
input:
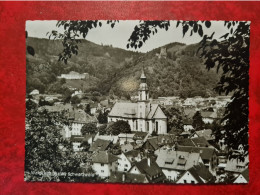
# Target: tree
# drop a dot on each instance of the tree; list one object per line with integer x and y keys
{"x": 89, "y": 128}
{"x": 45, "y": 149}
{"x": 174, "y": 119}
{"x": 62, "y": 81}
{"x": 75, "y": 100}
{"x": 197, "y": 122}
{"x": 231, "y": 54}
{"x": 102, "y": 117}
{"x": 102, "y": 129}
{"x": 85, "y": 146}
{"x": 88, "y": 109}
{"x": 118, "y": 127}
{"x": 30, "y": 104}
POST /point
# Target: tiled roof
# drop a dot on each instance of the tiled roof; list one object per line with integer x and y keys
{"x": 139, "y": 135}
{"x": 81, "y": 116}
{"x": 57, "y": 108}
{"x": 208, "y": 114}
{"x": 197, "y": 141}
{"x": 130, "y": 110}
{"x": 189, "y": 112}
{"x": 201, "y": 173}
{"x": 245, "y": 174}
{"x": 111, "y": 138}
{"x": 206, "y": 133}
{"x": 176, "y": 160}
{"x": 153, "y": 142}
{"x": 99, "y": 145}
{"x": 104, "y": 157}
{"x": 144, "y": 168}
{"x": 120, "y": 177}
{"x": 205, "y": 152}
{"x": 132, "y": 153}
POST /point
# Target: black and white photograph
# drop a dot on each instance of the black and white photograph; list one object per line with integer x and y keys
{"x": 129, "y": 101}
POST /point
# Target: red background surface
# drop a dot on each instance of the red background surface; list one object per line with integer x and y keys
{"x": 12, "y": 85}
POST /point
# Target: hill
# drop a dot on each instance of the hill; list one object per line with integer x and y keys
{"x": 116, "y": 71}
{"x": 182, "y": 73}
{"x": 100, "y": 62}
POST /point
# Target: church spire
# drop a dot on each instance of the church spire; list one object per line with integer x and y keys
{"x": 143, "y": 89}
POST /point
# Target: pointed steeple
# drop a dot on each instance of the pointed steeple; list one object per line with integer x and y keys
{"x": 143, "y": 77}
{"x": 143, "y": 88}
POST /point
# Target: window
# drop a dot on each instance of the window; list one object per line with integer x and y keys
{"x": 147, "y": 126}
{"x": 184, "y": 181}
{"x": 193, "y": 182}
{"x": 102, "y": 171}
{"x": 156, "y": 126}
{"x": 136, "y": 125}
{"x": 102, "y": 165}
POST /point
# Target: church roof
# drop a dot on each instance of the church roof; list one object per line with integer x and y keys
{"x": 130, "y": 110}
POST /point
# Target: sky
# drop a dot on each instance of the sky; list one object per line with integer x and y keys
{"x": 118, "y": 36}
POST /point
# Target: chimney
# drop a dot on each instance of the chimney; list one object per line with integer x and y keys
{"x": 149, "y": 161}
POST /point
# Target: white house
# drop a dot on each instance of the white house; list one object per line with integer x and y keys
{"x": 198, "y": 174}
{"x": 142, "y": 116}
{"x": 243, "y": 177}
{"x": 174, "y": 163}
{"x": 78, "y": 118}
{"x": 35, "y": 92}
{"x": 73, "y": 75}
{"x": 123, "y": 163}
{"x": 104, "y": 163}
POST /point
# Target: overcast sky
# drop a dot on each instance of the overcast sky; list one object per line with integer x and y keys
{"x": 119, "y": 35}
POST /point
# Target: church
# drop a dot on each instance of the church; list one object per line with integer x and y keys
{"x": 141, "y": 116}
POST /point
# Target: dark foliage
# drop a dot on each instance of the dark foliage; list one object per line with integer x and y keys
{"x": 89, "y": 128}
{"x": 118, "y": 127}
{"x": 197, "y": 122}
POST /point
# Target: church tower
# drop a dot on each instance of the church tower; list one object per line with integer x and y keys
{"x": 143, "y": 88}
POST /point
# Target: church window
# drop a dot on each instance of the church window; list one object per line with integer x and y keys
{"x": 147, "y": 123}
{"x": 136, "y": 125}
{"x": 156, "y": 127}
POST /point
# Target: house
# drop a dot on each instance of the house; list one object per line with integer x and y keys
{"x": 142, "y": 116}
{"x": 187, "y": 124}
{"x": 189, "y": 112}
{"x": 119, "y": 177}
{"x": 112, "y": 138}
{"x": 206, "y": 133}
{"x": 197, "y": 141}
{"x": 104, "y": 163}
{"x": 150, "y": 168}
{"x": 140, "y": 137}
{"x": 76, "y": 143}
{"x": 174, "y": 163}
{"x": 236, "y": 165}
{"x": 123, "y": 163}
{"x": 78, "y": 118}
{"x": 125, "y": 137}
{"x": 197, "y": 174}
{"x": 150, "y": 145}
{"x": 35, "y": 92}
{"x": 243, "y": 177}
{"x": 208, "y": 117}
{"x": 73, "y": 76}
{"x": 133, "y": 156}
{"x": 208, "y": 155}
{"x": 127, "y": 147}
{"x": 100, "y": 145}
